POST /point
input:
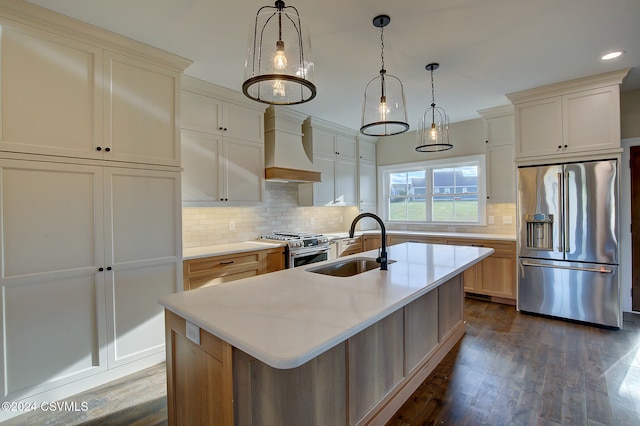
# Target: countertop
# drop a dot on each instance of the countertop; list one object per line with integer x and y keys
{"x": 289, "y": 317}
{"x": 465, "y": 235}
{"x": 221, "y": 249}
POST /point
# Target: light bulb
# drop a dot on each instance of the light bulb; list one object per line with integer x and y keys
{"x": 383, "y": 109}
{"x": 280, "y": 61}
{"x": 433, "y": 133}
{"x": 278, "y": 88}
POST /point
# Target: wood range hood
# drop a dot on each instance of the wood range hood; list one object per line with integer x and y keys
{"x": 286, "y": 159}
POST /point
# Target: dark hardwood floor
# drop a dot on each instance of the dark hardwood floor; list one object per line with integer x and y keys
{"x": 509, "y": 369}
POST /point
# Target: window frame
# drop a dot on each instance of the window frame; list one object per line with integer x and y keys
{"x": 429, "y": 165}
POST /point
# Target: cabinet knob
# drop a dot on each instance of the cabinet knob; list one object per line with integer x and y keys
{"x": 486, "y": 141}
{"x": 559, "y": 146}
{"x": 566, "y": 146}
{"x": 100, "y": 269}
{"x": 337, "y": 153}
{"x": 98, "y": 148}
{"x": 224, "y": 129}
{"x": 107, "y": 149}
{"x": 108, "y": 268}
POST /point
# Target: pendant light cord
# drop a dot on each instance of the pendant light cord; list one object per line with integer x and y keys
{"x": 382, "y": 48}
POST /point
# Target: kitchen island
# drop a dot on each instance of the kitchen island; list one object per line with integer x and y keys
{"x": 298, "y": 347}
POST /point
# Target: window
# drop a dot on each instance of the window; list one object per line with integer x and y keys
{"x": 449, "y": 191}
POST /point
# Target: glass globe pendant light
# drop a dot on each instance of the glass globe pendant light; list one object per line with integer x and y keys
{"x": 278, "y": 69}
{"x": 433, "y": 131}
{"x": 384, "y": 111}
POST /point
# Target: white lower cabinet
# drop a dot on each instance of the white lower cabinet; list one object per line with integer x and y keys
{"x": 85, "y": 252}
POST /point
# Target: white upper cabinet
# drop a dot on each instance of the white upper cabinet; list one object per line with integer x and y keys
{"x": 222, "y": 147}
{"x": 140, "y": 104}
{"x": 333, "y": 150}
{"x": 572, "y": 119}
{"x": 66, "y": 98}
{"x": 51, "y": 94}
{"x": 499, "y": 130}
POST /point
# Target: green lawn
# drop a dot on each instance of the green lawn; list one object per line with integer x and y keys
{"x": 443, "y": 211}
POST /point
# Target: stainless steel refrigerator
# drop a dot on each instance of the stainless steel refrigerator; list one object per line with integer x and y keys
{"x": 568, "y": 241}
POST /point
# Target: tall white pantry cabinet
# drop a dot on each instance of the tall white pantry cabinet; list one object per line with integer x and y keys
{"x": 89, "y": 203}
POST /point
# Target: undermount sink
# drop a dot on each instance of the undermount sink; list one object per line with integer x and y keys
{"x": 347, "y": 267}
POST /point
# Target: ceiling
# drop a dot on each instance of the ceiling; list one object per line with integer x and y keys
{"x": 486, "y": 48}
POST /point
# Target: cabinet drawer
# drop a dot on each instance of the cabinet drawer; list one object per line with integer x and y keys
{"x": 220, "y": 262}
{"x": 502, "y": 248}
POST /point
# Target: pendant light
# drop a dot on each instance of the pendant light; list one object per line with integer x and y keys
{"x": 384, "y": 111}
{"x": 433, "y": 131}
{"x": 278, "y": 70}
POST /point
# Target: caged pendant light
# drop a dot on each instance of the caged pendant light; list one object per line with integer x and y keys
{"x": 384, "y": 111}
{"x": 433, "y": 131}
{"x": 278, "y": 69}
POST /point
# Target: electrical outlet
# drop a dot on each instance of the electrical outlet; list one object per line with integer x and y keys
{"x": 193, "y": 333}
{"x": 507, "y": 219}
{"x": 491, "y": 220}
{"x": 232, "y": 225}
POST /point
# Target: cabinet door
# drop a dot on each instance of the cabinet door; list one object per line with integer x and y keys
{"x": 345, "y": 179}
{"x": 201, "y": 182}
{"x": 244, "y": 166}
{"x": 367, "y": 151}
{"x": 243, "y": 123}
{"x": 140, "y": 123}
{"x": 501, "y": 174}
{"x": 367, "y": 183}
{"x": 52, "y": 298}
{"x": 324, "y": 192}
{"x": 323, "y": 142}
{"x": 591, "y": 119}
{"x": 51, "y": 95}
{"x": 143, "y": 248}
{"x": 346, "y": 147}
{"x": 500, "y": 130}
{"x": 200, "y": 113}
{"x": 499, "y": 276}
{"x": 539, "y": 127}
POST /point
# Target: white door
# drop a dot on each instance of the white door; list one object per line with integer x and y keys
{"x": 140, "y": 123}
{"x": 143, "y": 248}
{"x": 51, "y": 94}
{"x": 244, "y": 165}
{"x": 201, "y": 174}
{"x": 53, "y": 296}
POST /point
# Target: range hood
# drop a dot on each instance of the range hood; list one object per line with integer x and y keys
{"x": 284, "y": 153}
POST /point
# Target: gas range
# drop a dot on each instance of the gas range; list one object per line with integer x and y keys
{"x": 298, "y": 240}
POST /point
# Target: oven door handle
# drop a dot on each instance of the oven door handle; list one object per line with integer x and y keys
{"x": 300, "y": 253}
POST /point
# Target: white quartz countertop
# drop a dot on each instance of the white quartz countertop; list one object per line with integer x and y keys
{"x": 465, "y": 235}
{"x": 221, "y": 249}
{"x": 289, "y": 317}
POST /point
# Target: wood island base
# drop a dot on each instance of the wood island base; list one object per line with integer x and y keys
{"x": 361, "y": 381}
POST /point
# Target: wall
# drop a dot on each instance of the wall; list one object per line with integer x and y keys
{"x": 467, "y": 138}
{"x": 630, "y": 114}
{"x": 279, "y": 212}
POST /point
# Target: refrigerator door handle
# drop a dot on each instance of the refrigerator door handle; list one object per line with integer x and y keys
{"x": 602, "y": 269}
{"x": 567, "y": 218}
{"x": 560, "y": 219}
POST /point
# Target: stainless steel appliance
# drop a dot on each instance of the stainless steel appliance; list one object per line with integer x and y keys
{"x": 303, "y": 248}
{"x": 568, "y": 241}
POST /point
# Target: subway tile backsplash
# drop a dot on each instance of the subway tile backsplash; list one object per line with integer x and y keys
{"x": 280, "y": 212}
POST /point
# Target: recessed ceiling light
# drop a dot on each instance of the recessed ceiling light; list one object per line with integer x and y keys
{"x": 612, "y": 55}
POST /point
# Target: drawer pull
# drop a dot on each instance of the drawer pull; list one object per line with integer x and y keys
{"x": 477, "y": 245}
{"x": 227, "y": 263}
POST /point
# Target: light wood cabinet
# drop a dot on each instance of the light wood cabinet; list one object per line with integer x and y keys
{"x": 214, "y": 270}
{"x": 578, "y": 117}
{"x": 333, "y": 150}
{"x": 222, "y": 148}
{"x": 347, "y": 246}
{"x": 363, "y": 380}
{"x": 102, "y": 105}
{"x": 495, "y": 276}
